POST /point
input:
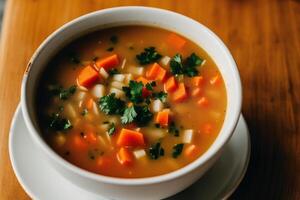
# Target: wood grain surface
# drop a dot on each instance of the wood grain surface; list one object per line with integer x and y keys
{"x": 264, "y": 38}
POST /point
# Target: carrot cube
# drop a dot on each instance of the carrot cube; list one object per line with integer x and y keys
{"x": 156, "y": 72}
{"x": 176, "y": 41}
{"x": 180, "y": 94}
{"x": 88, "y": 76}
{"x": 170, "y": 84}
{"x": 108, "y": 62}
{"x": 130, "y": 138}
{"x": 124, "y": 156}
{"x": 162, "y": 117}
{"x": 197, "y": 81}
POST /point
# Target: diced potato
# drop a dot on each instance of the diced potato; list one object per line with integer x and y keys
{"x": 119, "y": 93}
{"x": 157, "y": 105}
{"x": 136, "y": 70}
{"x": 60, "y": 139}
{"x": 80, "y": 96}
{"x": 128, "y": 77}
{"x": 139, "y": 153}
{"x": 98, "y": 90}
{"x": 188, "y": 136}
{"x": 118, "y": 77}
{"x": 117, "y": 85}
{"x": 165, "y": 60}
{"x": 70, "y": 111}
{"x": 103, "y": 73}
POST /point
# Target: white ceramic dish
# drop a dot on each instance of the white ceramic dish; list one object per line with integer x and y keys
{"x": 140, "y": 188}
{"x": 42, "y": 182}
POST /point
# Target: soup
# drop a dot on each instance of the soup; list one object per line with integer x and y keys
{"x": 131, "y": 102}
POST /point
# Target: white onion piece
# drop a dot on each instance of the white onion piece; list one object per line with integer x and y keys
{"x": 118, "y": 77}
{"x": 165, "y": 60}
{"x": 157, "y": 105}
{"x": 103, "y": 73}
{"x": 118, "y": 93}
{"x": 136, "y": 70}
{"x": 98, "y": 90}
{"x": 139, "y": 153}
{"x": 128, "y": 77}
{"x": 117, "y": 85}
{"x": 123, "y": 64}
{"x": 188, "y": 136}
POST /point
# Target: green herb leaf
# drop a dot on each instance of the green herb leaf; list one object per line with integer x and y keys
{"x": 111, "y": 105}
{"x": 134, "y": 91}
{"x": 113, "y": 71}
{"x": 155, "y": 151}
{"x": 58, "y": 123}
{"x": 173, "y": 129}
{"x": 112, "y": 129}
{"x": 114, "y": 39}
{"x": 162, "y": 96}
{"x": 66, "y": 93}
{"x": 176, "y": 65}
{"x": 150, "y": 85}
{"x": 129, "y": 115}
{"x": 186, "y": 67}
{"x": 177, "y": 149}
{"x": 144, "y": 115}
{"x": 149, "y": 55}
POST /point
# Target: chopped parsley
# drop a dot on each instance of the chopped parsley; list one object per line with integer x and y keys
{"x": 134, "y": 92}
{"x": 66, "y": 93}
{"x": 149, "y": 55}
{"x": 129, "y": 115}
{"x": 156, "y": 150}
{"x": 61, "y": 92}
{"x": 162, "y": 96}
{"x": 114, "y": 39}
{"x": 173, "y": 129}
{"x": 113, "y": 71}
{"x": 150, "y": 85}
{"x": 186, "y": 67}
{"x": 177, "y": 149}
{"x": 111, "y": 105}
{"x": 112, "y": 129}
{"x": 144, "y": 115}
{"x": 57, "y": 123}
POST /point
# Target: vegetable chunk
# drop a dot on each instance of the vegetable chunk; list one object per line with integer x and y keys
{"x": 156, "y": 72}
{"x": 125, "y": 157}
{"x": 130, "y": 138}
{"x": 180, "y": 94}
{"x": 176, "y": 41}
{"x": 162, "y": 117}
{"x": 108, "y": 62}
{"x": 88, "y": 76}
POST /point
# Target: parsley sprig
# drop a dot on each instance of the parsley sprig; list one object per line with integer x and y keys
{"x": 149, "y": 55}
{"x": 186, "y": 67}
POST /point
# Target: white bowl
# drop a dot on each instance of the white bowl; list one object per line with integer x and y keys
{"x": 157, "y": 187}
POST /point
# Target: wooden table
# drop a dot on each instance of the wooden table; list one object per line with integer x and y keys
{"x": 264, "y": 38}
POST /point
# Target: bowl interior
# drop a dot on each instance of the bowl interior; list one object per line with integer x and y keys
{"x": 136, "y": 16}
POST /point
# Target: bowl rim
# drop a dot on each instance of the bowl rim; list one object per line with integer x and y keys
{"x": 201, "y": 160}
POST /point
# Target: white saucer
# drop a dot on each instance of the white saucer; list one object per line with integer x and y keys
{"x": 40, "y": 181}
